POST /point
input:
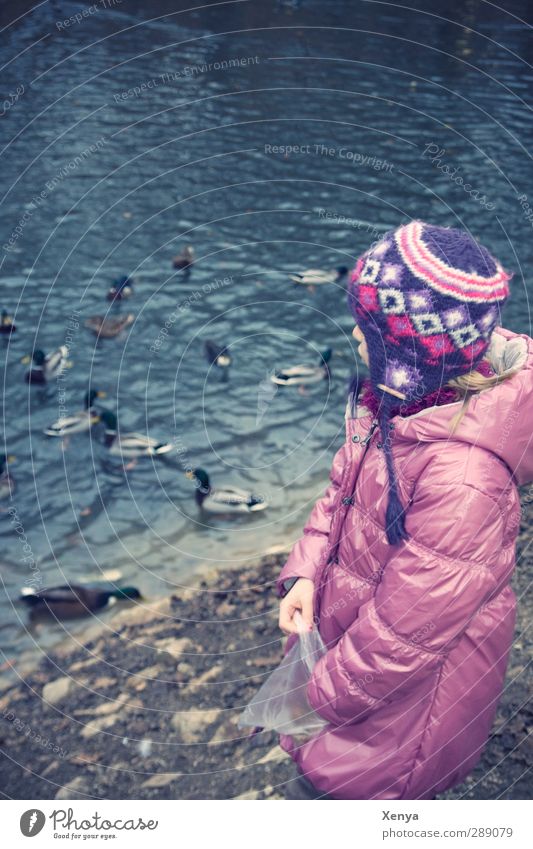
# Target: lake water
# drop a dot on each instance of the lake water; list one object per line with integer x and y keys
{"x": 273, "y": 137}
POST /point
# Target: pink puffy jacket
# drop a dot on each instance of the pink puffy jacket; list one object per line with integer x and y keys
{"x": 418, "y": 634}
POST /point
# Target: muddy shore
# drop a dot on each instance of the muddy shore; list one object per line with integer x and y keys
{"x": 146, "y": 705}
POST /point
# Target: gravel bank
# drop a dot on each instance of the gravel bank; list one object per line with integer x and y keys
{"x": 146, "y": 706}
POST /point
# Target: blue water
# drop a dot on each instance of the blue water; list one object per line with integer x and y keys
{"x": 378, "y": 104}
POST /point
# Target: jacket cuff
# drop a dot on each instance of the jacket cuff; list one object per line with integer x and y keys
{"x": 296, "y": 567}
{"x": 288, "y": 577}
{"x": 287, "y": 585}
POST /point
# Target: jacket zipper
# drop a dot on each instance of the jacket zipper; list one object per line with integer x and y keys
{"x": 351, "y": 498}
{"x": 333, "y": 558}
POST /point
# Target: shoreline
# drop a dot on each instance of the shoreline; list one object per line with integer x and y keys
{"x": 145, "y": 706}
{"x": 84, "y": 629}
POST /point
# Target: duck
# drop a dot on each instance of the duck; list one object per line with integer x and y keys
{"x": 78, "y": 422}
{"x": 7, "y": 484}
{"x": 227, "y": 499}
{"x": 46, "y": 366}
{"x": 184, "y": 259}
{"x": 73, "y": 600}
{"x": 130, "y": 445}
{"x": 107, "y": 328}
{"x": 6, "y": 324}
{"x": 217, "y": 355}
{"x": 317, "y": 277}
{"x": 304, "y": 373}
{"x": 121, "y": 288}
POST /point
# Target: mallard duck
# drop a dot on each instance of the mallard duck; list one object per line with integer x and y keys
{"x": 217, "y": 355}
{"x": 130, "y": 444}
{"x": 6, "y": 324}
{"x": 108, "y": 327}
{"x": 184, "y": 259}
{"x": 224, "y": 500}
{"x": 316, "y": 276}
{"x": 121, "y": 288}
{"x": 73, "y": 600}
{"x": 7, "y": 484}
{"x": 304, "y": 373}
{"x": 78, "y": 422}
{"x": 46, "y": 366}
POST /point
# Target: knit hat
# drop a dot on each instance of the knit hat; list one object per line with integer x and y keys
{"x": 427, "y": 300}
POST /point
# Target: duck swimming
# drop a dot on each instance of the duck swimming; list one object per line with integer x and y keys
{"x": 107, "y": 328}
{"x": 217, "y": 355}
{"x": 130, "y": 445}
{"x": 6, "y": 324}
{"x": 226, "y": 499}
{"x": 7, "y": 484}
{"x": 72, "y": 600}
{"x": 121, "y": 288}
{"x": 184, "y": 259}
{"x": 317, "y": 277}
{"x": 304, "y": 373}
{"x": 78, "y": 422}
{"x": 46, "y": 366}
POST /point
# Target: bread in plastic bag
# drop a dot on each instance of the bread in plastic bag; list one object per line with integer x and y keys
{"x": 281, "y": 703}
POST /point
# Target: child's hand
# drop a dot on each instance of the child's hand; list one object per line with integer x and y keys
{"x": 300, "y": 597}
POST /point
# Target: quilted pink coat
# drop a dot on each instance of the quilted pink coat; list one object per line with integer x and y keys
{"x": 418, "y": 634}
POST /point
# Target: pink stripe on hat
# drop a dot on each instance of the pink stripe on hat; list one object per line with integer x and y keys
{"x": 463, "y": 285}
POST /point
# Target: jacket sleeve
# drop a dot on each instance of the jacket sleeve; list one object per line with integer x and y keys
{"x": 306, "y": 553}
{"x": 423, "y": 604}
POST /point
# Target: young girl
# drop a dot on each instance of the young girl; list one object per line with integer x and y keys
{"x": 406, "y": 560}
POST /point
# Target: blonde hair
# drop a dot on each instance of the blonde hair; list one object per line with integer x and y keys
{"x": 468, "y": 385}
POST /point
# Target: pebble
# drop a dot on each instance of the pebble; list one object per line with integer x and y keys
{"x": 149, "y": 672}
{"x": 250, "y": 794}
{"x": 103, "y": 682}
{"x": 97, "y": 725}
{"x": 144, "y": 748}
{"x": 56, "y": 691}
{"x": 175, "y": 647}
{"x": 275, "y": 755}
{"x": 161, "y": 780}
{"x": 202, "y": 679}
{"x": 73, "y": 790}
{"x": 192, "y": 724}
{"x": 83, "y": 664}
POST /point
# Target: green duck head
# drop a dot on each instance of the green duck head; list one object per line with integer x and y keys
{"x": 4, "y": 460}
{"x": 126, "y": 592}
{"x": 325, "y": 356}
{"x": 110, "y": 421}
{"x": 201, "y": 479}
{"x": 39, "y": 357}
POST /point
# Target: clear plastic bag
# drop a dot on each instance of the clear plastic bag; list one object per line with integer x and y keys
{"x": 281, "y": 703}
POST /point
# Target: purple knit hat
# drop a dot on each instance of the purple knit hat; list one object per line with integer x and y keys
{"x": 427, "y": 300}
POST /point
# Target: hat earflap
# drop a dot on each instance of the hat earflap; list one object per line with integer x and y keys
{"x": 395, "y": 513}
